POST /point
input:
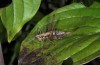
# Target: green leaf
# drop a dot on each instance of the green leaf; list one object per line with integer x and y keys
{"x": 81, "y": 44}
{"x": 17, "y": 14}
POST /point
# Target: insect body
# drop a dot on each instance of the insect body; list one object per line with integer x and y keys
{"x": 51, "y": 35}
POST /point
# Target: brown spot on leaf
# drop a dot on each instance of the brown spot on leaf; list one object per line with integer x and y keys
{"x": 39, "y": 61}
{"x": 23, "y": 54}
{"x": 26, "y": 58}
{"x": 36, "y": 57}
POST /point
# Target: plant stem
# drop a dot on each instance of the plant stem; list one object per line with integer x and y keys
{"x": 1, "y": 56}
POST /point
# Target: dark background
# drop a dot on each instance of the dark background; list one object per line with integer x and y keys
{"x": 47, "y": 6}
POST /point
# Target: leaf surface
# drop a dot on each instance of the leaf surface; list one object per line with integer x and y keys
{"x": 81, "y": 44}
{"x": 17, "y": 14}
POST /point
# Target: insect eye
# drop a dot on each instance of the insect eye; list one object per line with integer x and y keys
{"x": 4, "y": 3}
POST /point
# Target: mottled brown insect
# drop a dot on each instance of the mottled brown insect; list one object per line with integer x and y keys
{"x": 51, "y": 35}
